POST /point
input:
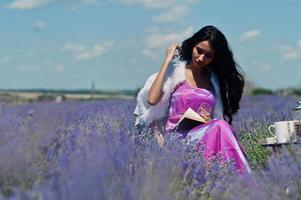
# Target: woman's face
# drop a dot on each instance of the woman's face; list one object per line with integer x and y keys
{"x": 202, "y": 54}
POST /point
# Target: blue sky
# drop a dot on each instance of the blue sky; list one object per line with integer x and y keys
{"x": 117, "y": 44}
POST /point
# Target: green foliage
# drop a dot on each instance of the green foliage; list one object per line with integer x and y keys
{"x": 296, "y": 91}
{"x": 256, "y": 153}
{"x": 262, "y": 91}
{"x": 7, "y": 183}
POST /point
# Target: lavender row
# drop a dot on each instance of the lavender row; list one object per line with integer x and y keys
{"x": 91, "y": 150}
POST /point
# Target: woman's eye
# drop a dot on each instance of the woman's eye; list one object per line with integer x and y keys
{"x": 200, "y": 51}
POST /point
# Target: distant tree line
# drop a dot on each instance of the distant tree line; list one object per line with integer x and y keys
{"x": 75, "y": 91}
{"x": 286, "y": 91}
{"x": 249, "y": 90}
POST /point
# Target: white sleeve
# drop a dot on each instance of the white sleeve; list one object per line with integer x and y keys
{"x": 147, "y": 113}
{"x": 142, "y": 104}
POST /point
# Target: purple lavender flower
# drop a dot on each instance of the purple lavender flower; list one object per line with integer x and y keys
{"x": 91, "y": 150}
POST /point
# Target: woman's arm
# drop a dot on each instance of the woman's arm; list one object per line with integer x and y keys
{"x": 155, "y": 92}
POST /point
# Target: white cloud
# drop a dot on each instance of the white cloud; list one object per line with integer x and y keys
{"x": 266, "y": 67}
{"x": 33, "y": 4}
{"x": 73, "y": 47}
{"x": 59, "y": 67}
{"x": 86, "y": 53}
{"x": 99, "y": 49}
{"x": 282, "y": 48}
{"x": 6, "y": 58}
{"x": 89, "y": 1}
{"x": 29, "y": 54}
{"x": 39, "y": 25}
{"x": 173, "y": 14}
{"x": 73, "y": 6}
{"x": 289, "y": 52}
{"x": 84, "y": 56}
{"x": 151, "y": 3}
{"x": 172, "y": 9}
{"x": 290, "y": 55}
{"x": 134, "y": 60}
{"x": 152, "y": 29}
{"x": 29, "y": 67}
{"x": 28, "y": 4}
{"x": 157, "y": 41}
{"x": 150, "y": 53}
{"x": 249, "y": 35}
{"x": 258, "y": 66}
{"x": 158, "y": 4}
{"x": 299, "y": 43}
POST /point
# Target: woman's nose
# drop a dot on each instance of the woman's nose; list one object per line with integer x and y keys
{"x": 201, "y": 57}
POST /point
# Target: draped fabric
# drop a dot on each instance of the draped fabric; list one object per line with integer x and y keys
{"x": 215, "y": 137}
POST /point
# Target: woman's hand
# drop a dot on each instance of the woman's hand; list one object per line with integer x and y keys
{"x": 159, "y": 137}
{"x": 155, "y": 93}
{"x": 170, "y": 53}
{"x": 155, "y": 125}
{"x": 205, "y": 114}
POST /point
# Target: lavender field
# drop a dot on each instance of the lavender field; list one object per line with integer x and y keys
{"x": 91, "y": 150}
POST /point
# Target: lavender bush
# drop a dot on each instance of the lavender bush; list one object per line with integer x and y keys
{"x": 91, "y": 150}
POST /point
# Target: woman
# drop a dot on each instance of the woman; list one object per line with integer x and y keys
{"x": 204, "y": 78}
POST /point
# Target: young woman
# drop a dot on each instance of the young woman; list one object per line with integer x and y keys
{"x": 205, "y": 78}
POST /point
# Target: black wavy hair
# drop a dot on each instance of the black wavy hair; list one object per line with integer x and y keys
{"x": 231, "y": 80}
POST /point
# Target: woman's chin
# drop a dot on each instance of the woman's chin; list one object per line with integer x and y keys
{"x": 200, "y": 66}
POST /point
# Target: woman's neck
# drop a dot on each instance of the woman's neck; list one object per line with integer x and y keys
{"x": 197, "y": 71}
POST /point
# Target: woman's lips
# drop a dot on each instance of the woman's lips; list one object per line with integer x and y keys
{"x": 199, "y": 62}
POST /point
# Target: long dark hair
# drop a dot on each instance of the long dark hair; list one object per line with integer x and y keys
{"x": 231, "y": 80}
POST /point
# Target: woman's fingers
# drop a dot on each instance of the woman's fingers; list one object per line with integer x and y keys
{"x": 204, "y": 113}
{"x": 159, "y": 137}
{"x": 175, "y": 45}
{"x": 175, "y": 48}
{"x": 170, "y": 53}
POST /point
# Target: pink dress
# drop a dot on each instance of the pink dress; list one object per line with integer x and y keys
{"x": 216, "y": 136}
